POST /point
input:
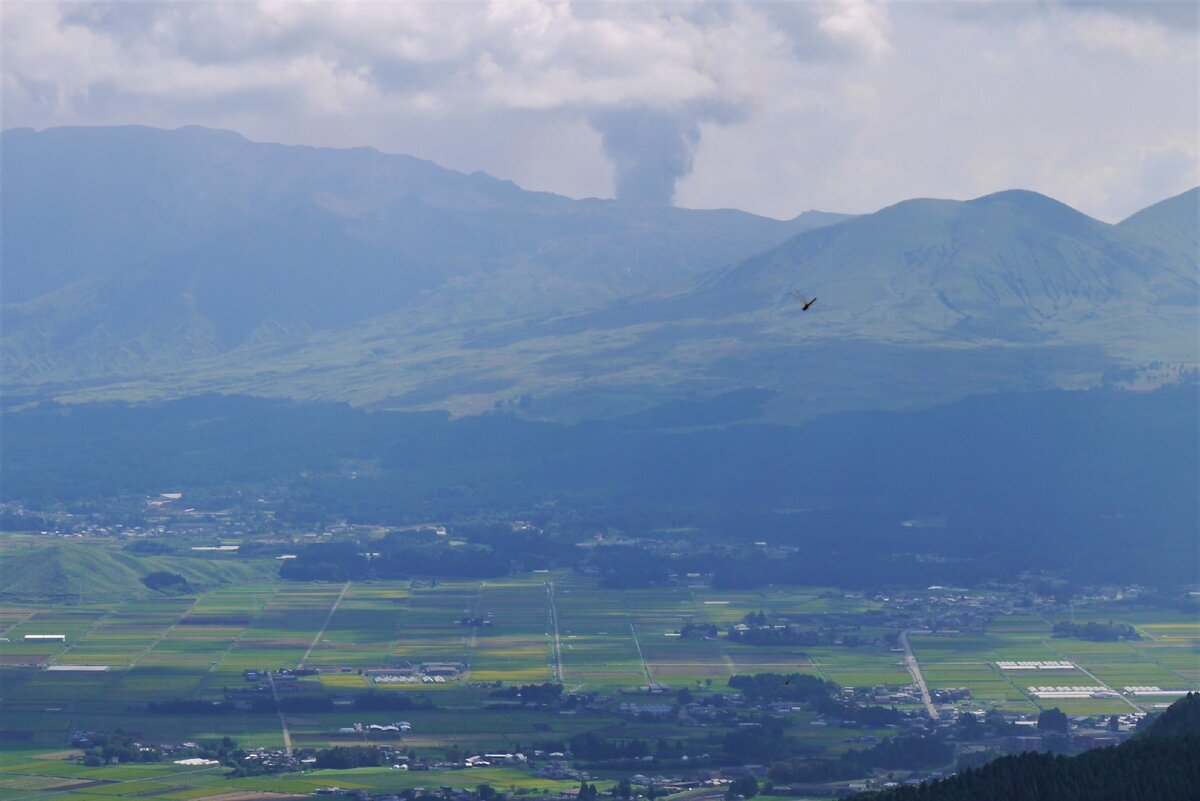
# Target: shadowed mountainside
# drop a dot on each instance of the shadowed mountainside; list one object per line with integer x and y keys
{"x": 1098, "y": 484}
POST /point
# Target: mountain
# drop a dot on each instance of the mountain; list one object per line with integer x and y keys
{"x": 1172, "y": 225}
{"x": 141, "y": 263}
{"x": 88, "y": 203}
{"x": 1010, "y": 267}
{"x": 129, "y": 249}
{"x": 922, "y": 301}
{"x": 917, "y": 303}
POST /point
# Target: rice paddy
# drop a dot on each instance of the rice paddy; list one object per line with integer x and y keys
{"x": 517, "y": 630}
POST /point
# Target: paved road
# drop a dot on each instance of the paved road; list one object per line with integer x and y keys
{"x": 157, "y": 640}
{"x": 473, "y": 640}
{"x": 1103, "y": 684}
{"x": 637, "y": 643}
{"x": 915, "y": 669}
{"x": 1090, "y": 675}
{"x": 556, "y": 666}
{"x": 287, "y": 737}
{"x": 324, "y": 625}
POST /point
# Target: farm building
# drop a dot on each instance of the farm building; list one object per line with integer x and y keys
{"x": 46, "y": 637}
{"x": 442, "y": 668}
{"x": 77, "y": 668}
{"x": 1058, "y": 665}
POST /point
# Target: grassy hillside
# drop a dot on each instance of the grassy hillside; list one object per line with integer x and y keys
{"x": 77, "y": 572}
{"x": 1170, "y": 226}
{"x": 129, "y": 251}
{"x": 921, "y": 303}
{"x": 388, "y": 282}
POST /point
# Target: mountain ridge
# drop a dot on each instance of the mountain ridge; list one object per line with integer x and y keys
{"x": 155, "y": 193}
{"x": 469, "y": 294}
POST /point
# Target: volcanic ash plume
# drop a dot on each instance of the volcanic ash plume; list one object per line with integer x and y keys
{"x": 651, "y": 150}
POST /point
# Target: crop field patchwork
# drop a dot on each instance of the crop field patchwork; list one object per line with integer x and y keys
{"x": 1168, "y": 659}
{"x": 500, "y": 630}
{"x": 516, "y": 647}
{"x": 599, "y": 650}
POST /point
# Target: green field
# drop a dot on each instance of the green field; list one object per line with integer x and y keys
{"x": 602, "y": 640}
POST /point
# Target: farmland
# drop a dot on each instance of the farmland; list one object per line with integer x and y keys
{"x": 549, "y": 626}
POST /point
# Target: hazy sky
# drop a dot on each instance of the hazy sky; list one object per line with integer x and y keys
{"x": 770, "y": 107}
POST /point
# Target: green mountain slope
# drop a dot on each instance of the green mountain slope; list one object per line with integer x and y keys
{"x": 1172, "y": 225}
{"x": 1012, "y": 267}
{"x": 84, "y": 573}
{"x": 391, "y": 283}
{"x": 923, "y": 301}
{"x": 131, "y": 250}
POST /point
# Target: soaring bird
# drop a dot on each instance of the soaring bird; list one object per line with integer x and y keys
{"x": 802, "y": 298}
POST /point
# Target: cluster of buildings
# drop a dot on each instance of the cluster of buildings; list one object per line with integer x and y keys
{"x": 406, "y": 672}
{"x": 1056, "y": 665}
{"x": 1154, "y": 690}
{"x": 395, "y": 728}
{"x": 393, "y": 678}
{"x": 487, "y": 760}
{"x": 1073, "y": 691}
{"x": 274, "y": 760}
{"x": 889, "y": 694}
{"x": 103, "y": 748}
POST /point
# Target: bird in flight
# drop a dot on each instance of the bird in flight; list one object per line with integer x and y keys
{"x": 802, "y": 298}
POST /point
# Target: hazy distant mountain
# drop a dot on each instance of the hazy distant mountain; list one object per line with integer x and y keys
{"x": 86, "y": 203}
{"x": 1014, "y": 267}
{"x": 922, "y": 301}
{"x": 128, "y": 247}
{"x": 146, "y": 263}
{"x": 1172, "y": 226}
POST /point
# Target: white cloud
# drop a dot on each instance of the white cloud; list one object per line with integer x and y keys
{"x": 861, "y": 24}
{"x": 773, "y": 107}
{"x": 1108, "y": 32}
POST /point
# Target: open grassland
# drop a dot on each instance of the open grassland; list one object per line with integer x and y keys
{"x": 34, "y": 572}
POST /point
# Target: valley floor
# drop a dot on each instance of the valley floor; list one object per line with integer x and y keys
{"x": 616, "y": 648}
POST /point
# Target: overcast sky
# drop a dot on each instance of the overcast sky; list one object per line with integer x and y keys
{"x": 770, "y": 107}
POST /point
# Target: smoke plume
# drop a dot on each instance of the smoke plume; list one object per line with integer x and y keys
{"x": 650, "y": 151}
